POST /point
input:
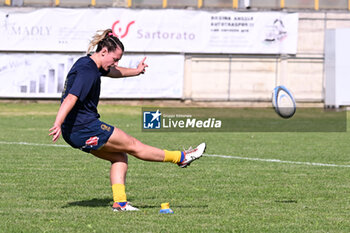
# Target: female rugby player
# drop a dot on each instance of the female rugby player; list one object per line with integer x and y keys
{"x": 78, "y": 120}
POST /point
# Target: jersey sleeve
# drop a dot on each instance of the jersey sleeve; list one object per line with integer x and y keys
{"x": 83, "y": 82}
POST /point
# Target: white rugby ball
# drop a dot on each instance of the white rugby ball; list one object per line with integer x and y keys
{"x": 283, "y": 102}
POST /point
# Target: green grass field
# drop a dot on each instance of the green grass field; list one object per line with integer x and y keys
{"x": 45, "y": 188}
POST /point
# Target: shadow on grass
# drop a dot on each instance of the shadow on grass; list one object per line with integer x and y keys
{"x": 103, "y": 202}
{"x": 95, "y": 202}
{"x": 286, "y": 201}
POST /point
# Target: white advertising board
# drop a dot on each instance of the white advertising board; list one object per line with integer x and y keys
{"x": 162, "y": 30}
{"x": 25, "y": 75}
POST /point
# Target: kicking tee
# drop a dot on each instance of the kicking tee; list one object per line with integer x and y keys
{"x": 83, "y": 81}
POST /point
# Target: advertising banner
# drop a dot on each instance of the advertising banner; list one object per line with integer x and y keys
{"x": 43, "y": 75}
{"x": 146, "y": 30}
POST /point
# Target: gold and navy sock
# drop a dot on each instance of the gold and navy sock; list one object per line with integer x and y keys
{"x": 174, "y": 156}
{"x": 119, "y": 194}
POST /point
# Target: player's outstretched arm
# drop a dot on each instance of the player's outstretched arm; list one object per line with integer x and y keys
{"x": 65, "y": 108}
{"x": 122, "y": 72}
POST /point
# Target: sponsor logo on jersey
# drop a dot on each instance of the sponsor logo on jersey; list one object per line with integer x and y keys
{"x": 92, "y": 141}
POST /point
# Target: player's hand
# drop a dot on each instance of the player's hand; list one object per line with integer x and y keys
{"x": 55, "y": 132}
{"x": 141, "y": 68}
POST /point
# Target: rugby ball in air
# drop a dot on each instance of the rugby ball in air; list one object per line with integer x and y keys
{"x": 283, "y": 102}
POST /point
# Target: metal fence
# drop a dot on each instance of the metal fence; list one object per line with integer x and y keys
{"x": 223, "y": 4}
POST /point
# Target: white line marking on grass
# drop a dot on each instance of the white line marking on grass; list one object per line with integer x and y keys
{"x": 277, "y": 161}
{"x": 32, "y": 144}
{"x": 208, "y": 155}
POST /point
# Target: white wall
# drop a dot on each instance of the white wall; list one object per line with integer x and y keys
{"x": 252, "y": 78}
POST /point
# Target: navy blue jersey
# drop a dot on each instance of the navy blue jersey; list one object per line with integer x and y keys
{"x": 83, "y": 81}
